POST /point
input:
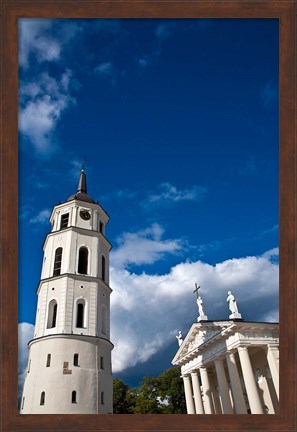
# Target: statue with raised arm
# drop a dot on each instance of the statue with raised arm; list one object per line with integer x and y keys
{"x": 179, "y": 338}
{"x": 233, "y": 306}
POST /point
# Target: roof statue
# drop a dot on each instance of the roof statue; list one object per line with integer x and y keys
{"x": 179, "y": 338}
{"x": 233, "y": 306}
{"x": 202, "y": 316}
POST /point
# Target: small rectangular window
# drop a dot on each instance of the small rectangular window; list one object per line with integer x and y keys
{"x": 73, "y": 397}
{"x": 64, "y": 221}
{"x": 75, "y": 360}
{"x": 29, "y": 366}
{"x": 101, "y": 363}
{"x": 101, "y": 227}
{"x": 102, "y": 398}
{"x": 42, "y": 398}
{"x": 23, "y": 401}
{"x": 48, "y": 360}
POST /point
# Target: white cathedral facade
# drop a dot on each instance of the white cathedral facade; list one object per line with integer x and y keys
{"x": 229, "y": 366}
{"x": 69, "y": 364}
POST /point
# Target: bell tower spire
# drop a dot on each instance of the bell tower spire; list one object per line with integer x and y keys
{"x": 82, "y": 184}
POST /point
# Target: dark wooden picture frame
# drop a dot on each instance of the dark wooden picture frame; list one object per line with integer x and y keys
{"x": 285, "y": 11}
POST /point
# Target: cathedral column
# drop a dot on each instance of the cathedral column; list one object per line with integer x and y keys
{"x": 189, "y": 394}
{"x": 197, "y": 393}
{"x": 208, "y": 406}
{"x": 223, "y": 387}
{"x": 249, "y": 381}
{"x": 272, "y": 355}
{"x": 238, "y": 399}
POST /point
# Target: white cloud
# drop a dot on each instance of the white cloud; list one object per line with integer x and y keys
{"x": 42, "y": 104}
{"x": 143, "y": 247}
{"x": 41, "y": 217}
{"x": 104, "y": 68}
{"x": 25, "y": 334}
{"x": 35, "y": 39}
{"x": 167, "y": 193}
{"x": 148, "y": 310}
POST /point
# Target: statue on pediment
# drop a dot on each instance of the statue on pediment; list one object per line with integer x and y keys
{"x": 179, "y": 338}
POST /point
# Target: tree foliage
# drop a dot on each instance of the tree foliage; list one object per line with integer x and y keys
{"x": 156, "y": 395}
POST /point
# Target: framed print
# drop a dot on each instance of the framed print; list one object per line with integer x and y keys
{"x": 168, "y": 95}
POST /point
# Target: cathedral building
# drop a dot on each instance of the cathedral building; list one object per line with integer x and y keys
{"x": 69, "y": 363}
{"x": 230, "y": 366}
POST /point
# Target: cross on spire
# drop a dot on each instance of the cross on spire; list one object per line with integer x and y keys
{"x": 196, "y": 290}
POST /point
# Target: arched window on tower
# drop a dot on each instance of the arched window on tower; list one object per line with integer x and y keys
{"x": 81, "y": 314}
{"x": 58, "y": 262}
{"x": 73, "y": 397}
{"x": 42, "y": 398}
{"x": 48, "y": 360}
{"x": 75, "y": 360}
{"x": 83, "y": 260}
{"x": 52, "y": 314}
{"x": 103, "y": 320}
{"x": 103, "y": 268}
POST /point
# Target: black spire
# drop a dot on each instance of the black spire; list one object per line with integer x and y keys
{"x": 82, "y": 184}
{"x": 81, "y": 193}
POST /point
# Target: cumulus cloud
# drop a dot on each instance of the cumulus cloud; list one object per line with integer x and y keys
{"x": 143, "y": 247}
{"x": 168, "y": 194}
{"x": 148, "y": 310}
{"x": 25, "y": 334}
{"x": 35, "y": 39}
{"x": 42, "y": 104}
{"x": 41, "y": 217}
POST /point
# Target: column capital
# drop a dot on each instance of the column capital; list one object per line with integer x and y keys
{"x": 186, "y": 376}
{"x": 242, "y": 348}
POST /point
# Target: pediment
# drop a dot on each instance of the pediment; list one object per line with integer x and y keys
{"x": 198, "y": 335}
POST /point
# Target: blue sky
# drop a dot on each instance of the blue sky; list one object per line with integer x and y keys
{"x": 177, "y": 121}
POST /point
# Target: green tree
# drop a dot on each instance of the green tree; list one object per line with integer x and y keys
{"x": 147, "y": 401}
{"x": 121, "y": 401}
{"x": 171, "y": 391}
{"x": 156, "y": 395}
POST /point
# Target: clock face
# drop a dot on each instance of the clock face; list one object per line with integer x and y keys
{"x": 85, "y": 214}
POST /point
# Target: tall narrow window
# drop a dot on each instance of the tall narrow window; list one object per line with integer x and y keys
{"x": 101, "y": 363}
{"x": 42, "y": 398}
{"x": 80, "y": 314}
{"x": 102, "y": 398}
{"x": 23, "y": 402}
{"x": 29, "y": 365}
{"x": 103, "y": 320}
{"x": 83, "y": 260}
{"x": 58, "y": 261}
{"x": 101, "y": 227}
{"x": 103, "y": 267}
{"x": 48, "y": 360}
{"x": 64, "y": 221}
{"x": 75, "y": 360}
{"x": 52, "y": 314}
{"x": 73, "y": 397}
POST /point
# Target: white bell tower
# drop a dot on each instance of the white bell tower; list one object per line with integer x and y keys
{"x": 69, "y": 365}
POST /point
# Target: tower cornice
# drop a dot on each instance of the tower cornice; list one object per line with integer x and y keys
{"x": 75, "y": 276}
{"x": 76, "y": 336}
{"x": 79, "y": 230}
